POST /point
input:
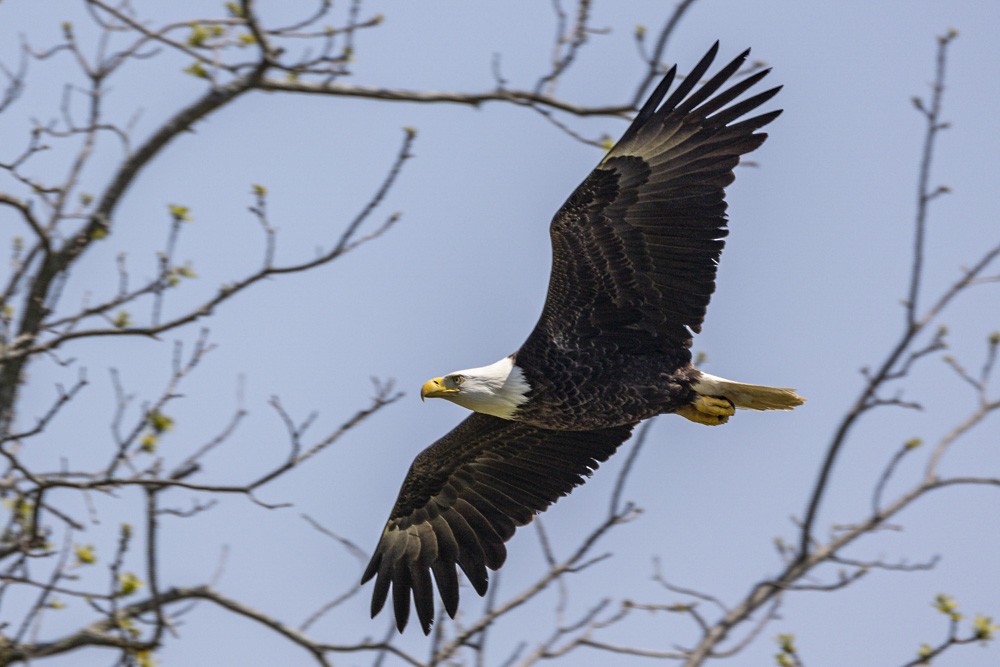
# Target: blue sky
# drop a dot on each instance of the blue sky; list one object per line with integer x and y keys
{"x": 809, "y": 293}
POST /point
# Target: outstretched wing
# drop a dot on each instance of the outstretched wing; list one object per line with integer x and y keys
{"x": 462, "y": 499}
{"x": 635, "y": 247}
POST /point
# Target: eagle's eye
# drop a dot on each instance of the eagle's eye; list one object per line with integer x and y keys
{"x": 457, "y": 380}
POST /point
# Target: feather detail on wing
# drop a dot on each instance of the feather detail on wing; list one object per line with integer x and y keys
{"x": 636, "y": 246}
{"x": 462, "y": 499}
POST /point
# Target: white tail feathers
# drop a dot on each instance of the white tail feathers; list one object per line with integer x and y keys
{"x": 748, "y": 396}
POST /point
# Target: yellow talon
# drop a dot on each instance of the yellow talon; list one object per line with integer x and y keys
{"x": 714, "y": 405}
{"x": 708, "y": 410}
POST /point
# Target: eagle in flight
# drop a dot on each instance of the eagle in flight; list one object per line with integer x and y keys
{"x": 634, "y": 256}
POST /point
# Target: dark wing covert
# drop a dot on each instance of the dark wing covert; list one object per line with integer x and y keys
{"x": 636, "y": 246}
{"x": 462, "y": 499}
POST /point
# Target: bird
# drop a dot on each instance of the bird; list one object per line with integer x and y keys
{"x": 635, "y": 250}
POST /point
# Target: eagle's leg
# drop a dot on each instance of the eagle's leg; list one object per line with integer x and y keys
{"x": 708, "y": 410}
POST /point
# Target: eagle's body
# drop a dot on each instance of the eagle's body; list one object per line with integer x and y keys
{"x": 631, "y": 388}
{"x": 634, "y": 256}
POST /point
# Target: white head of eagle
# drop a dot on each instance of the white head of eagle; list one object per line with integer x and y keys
{"x": 497, "y": 389}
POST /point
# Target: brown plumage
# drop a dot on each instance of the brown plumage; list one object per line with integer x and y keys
{"x": 634, "y": 256}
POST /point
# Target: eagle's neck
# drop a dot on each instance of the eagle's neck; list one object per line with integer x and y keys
{"x": 498, "y": 389}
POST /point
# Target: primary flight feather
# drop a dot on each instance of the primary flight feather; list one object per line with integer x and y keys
{"x": 634, "y": 256}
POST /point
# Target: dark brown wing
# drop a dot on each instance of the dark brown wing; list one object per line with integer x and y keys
{"x": 462, "y": 499}
{"x": 635, "y": 247}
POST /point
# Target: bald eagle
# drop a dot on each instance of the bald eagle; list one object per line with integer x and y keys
{"x": 634, "y": 256}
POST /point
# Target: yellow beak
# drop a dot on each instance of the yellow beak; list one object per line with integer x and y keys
{"x": 435, "y": 389}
